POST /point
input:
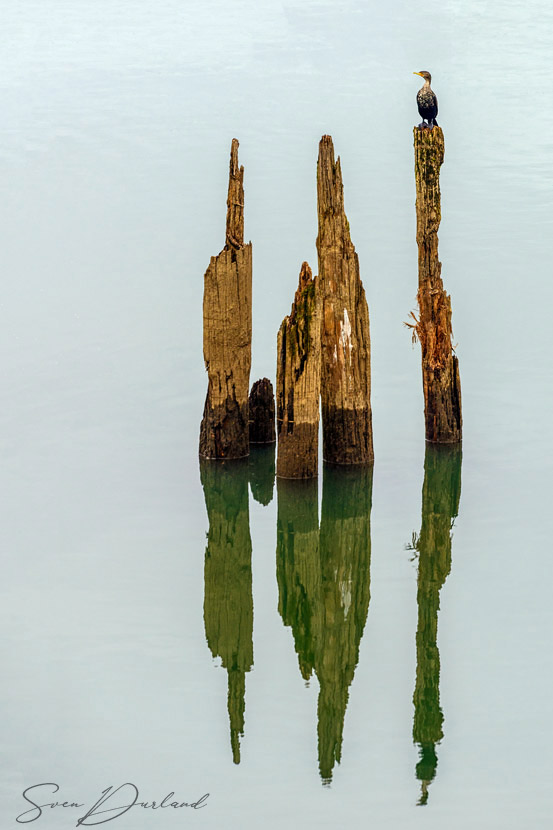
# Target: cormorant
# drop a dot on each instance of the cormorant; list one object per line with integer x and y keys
{"x": 427, "y": 102}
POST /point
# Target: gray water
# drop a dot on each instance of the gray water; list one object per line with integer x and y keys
{"x": 117, "y": 119}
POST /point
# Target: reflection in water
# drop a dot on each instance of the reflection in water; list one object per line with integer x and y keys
{"x": 440, "y": 503}
{"x": 345, "y": 550}
{"x": 324, "y": 588}
{"x": 228, "y": 600}
{"x": 298, "y": 568}
{"x": 261, "y": 463}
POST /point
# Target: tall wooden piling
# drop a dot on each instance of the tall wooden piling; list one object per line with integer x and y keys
{"x": 227, "y": 317}
{"x": 298, "y": 382}
{"x": 440, "y": 367}
{"x": 346, "y": 372}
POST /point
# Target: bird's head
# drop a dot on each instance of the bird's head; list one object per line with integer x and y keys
{"x": 426, "y": 75}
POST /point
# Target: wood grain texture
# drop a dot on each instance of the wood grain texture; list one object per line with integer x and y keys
{"x": 262, "y": 412}
{"x": 227, "y": 319}
{"x": 298, "y": 382}
{"x": 346, "y": 350}
{"x": 440, "y": 367}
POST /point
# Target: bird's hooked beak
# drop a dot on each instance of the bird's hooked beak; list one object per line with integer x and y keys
{"x": 418, "y": 73}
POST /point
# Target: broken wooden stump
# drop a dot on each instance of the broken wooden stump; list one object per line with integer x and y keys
{"x": 298, "y": 382}
{"x": 440, "y": 367}
{"x": 346, "y": 372}
{"x": 227, "y": 317}
{"x": 262, "y": 412}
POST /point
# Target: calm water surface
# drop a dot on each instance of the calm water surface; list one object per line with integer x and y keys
{"x": 366, "y": 650}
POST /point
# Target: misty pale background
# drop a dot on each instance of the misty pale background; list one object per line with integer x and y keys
{"x": 116, "y": 125}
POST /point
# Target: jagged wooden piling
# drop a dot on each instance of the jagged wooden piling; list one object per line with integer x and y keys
{"x": 346, "y": 373}
{"x": 227, "y": 317}
{"x": 262, "y": 412}
{"x": 440, "y": 367}
{"x": 298, "y": 382}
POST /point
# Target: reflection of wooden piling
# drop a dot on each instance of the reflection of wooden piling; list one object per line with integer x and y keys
{"x": 298, "y": 565}
{"x": 227, "y": 315}
{"x": 324, "y": 588}
{"x": 298, "y": 382}
{"x": 346, "y": 373}
{"x": 440, "y": 504}
{"x": 262, "y": 412}
{"x": 440, "y": 367}
{"x": 261, "y": 463}
{"x": 228, "y": 599}
{"x": 345, "y": 555}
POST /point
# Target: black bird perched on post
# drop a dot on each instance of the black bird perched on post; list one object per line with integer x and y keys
{"x": 427, "y": 102}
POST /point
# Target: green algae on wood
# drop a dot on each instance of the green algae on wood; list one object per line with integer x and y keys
{"x": 298, "y": 382}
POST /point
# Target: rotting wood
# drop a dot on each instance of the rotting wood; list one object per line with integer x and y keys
{"x": 227, "y": 318}
{"x": 346, "y": 372}
{"x": 440, "y": 367}
{"x": 262, "y": 412}
{"x": 298, "y": 382}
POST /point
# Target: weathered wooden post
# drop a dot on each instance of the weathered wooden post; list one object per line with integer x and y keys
{"x": 440, "y": 367}
{"x": 262, "y": 412}
{"x": 298, "y": 382}
{"x": 227, "y": 315}
{"x": 346, "y": 351}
